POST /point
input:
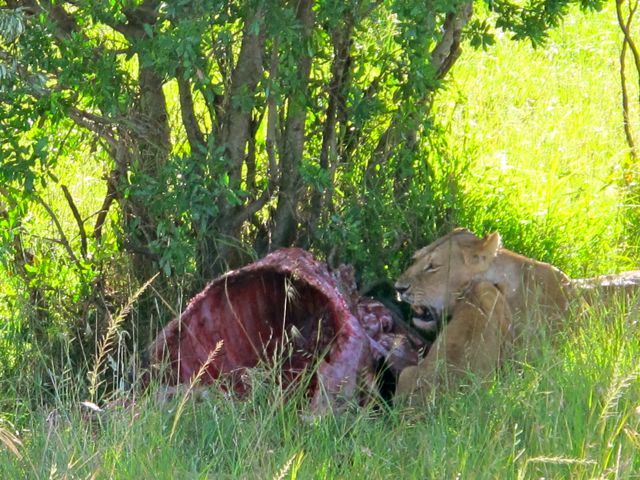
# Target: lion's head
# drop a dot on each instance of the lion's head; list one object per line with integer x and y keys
{"x": 441, "y": 271}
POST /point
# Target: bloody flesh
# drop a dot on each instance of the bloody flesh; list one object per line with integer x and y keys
{"x": 290, "y": 307}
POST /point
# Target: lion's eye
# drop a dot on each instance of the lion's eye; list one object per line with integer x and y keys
{"x": 430, "y": 268}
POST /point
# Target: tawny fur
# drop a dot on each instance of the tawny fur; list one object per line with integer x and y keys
{"x": 524, "y": 288}
{"x": 474, "y": 340}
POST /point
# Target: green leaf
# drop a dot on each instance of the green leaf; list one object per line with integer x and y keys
{"x": 148, "y": 29}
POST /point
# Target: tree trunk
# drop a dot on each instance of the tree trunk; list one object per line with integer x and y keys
{"x": 285, "y": 217}
{"x": 218, "y": 248}
{"x": 321, "y": 201}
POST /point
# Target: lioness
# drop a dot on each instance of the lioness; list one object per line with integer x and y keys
{"x": 442, "y": 271}
{"x": 474, "y": 340}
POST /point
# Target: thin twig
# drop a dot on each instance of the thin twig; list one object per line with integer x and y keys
{"x": 63, "y": 238}
{"x": 272, "y": 112}
{"x": 106, "y": 205}
{"x": 627, "y": 42}
{"x": 78, "y": 218}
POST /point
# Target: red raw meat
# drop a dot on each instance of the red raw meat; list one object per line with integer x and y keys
{"x": 287, "y": 303}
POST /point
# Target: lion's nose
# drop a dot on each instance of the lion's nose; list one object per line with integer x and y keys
{"x": 400, "y": 288}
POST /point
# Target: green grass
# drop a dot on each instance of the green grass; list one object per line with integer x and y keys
{"x": 542, "y": 132}
{"x": 571, "y": 412}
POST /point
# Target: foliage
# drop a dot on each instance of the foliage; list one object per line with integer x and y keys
{"x": 189, "y": 137}
{"x": 227, "y": 127}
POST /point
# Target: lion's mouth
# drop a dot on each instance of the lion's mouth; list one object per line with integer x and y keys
{"x": 426, "y": 318}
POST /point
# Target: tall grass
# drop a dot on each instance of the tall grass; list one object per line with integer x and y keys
{"x": 571, "y": 412}
{"x": 542, "y": 131}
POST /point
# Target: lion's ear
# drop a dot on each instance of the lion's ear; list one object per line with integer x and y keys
{"x": 490, "y": 244}
{"x": 483, "y": 252}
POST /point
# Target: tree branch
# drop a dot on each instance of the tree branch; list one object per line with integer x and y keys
{"x": 10, "y": 198}
{"x": 627, "y": 41}
{"x": 443, "y": 57}
{"x": 447, "y": 51}
{"x": 91, "y": 121}
{"x": 251, "y": 209}
{"x": 626, "y": 27}
{"x": 353, "y": 133}
{"x": 187, "y": 112}
{"x": 272, "y": 117}
{"x": 78, "y": 218}
{"x": 106, "y": 205}
{"x": 244, "y": 80}
{"x": 339, "y": 72}
{"x": 133, "y": 29}
{"x": 250, "y": 158}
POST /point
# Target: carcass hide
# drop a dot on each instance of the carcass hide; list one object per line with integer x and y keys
{"x": 287, "y": 304}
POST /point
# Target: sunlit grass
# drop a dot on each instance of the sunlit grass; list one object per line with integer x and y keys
{"x": 543, "y": 132}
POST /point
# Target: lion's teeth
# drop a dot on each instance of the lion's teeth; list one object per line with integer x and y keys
{"x": 425, "y": 326}
{"x": 418, "y": 310}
